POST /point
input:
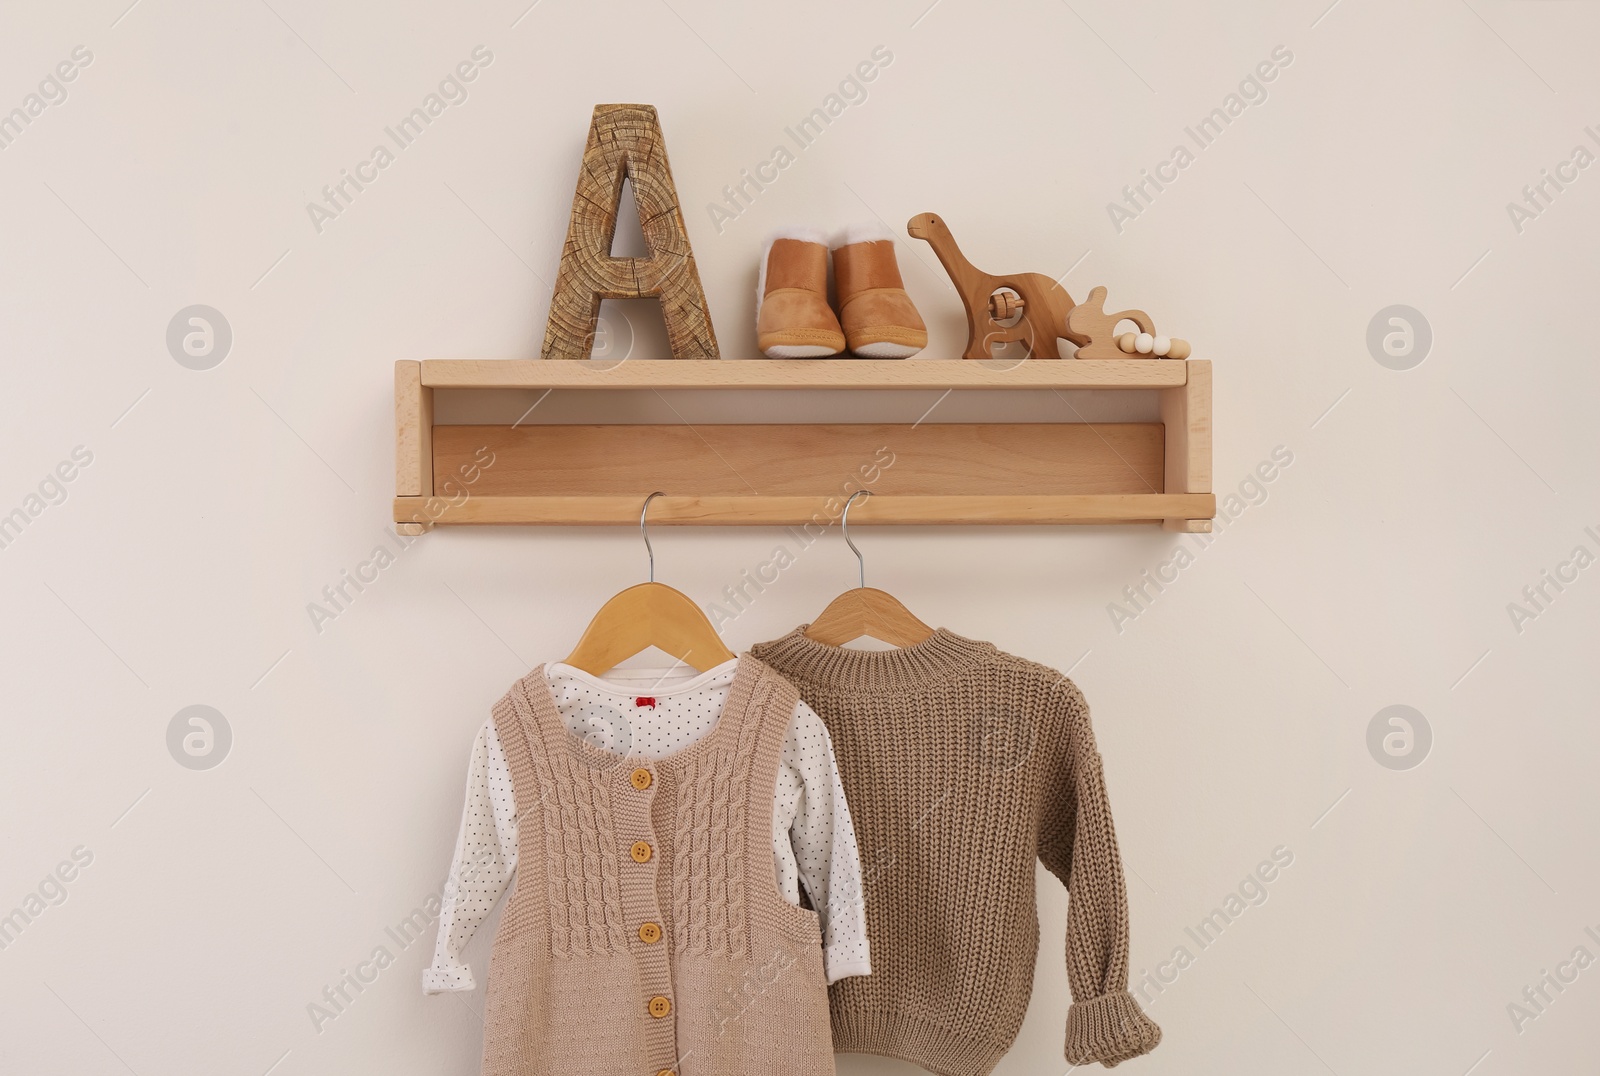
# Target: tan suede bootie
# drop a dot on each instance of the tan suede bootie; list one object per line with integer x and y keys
{"x": 793, "y": 318}
{"x": 879, "y": 319}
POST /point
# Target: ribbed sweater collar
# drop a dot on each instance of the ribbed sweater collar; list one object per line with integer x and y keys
{"x": 940, "y": 656}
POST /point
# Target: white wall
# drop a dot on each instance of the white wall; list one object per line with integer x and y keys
{"x": 1233, "y": 713}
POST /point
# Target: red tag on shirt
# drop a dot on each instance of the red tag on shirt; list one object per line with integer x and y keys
{"x": 645, "y": 700}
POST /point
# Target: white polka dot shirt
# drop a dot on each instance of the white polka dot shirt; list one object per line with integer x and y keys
{"x": 813, "y": 838}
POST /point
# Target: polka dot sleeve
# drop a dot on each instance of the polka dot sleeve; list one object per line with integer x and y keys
{"x": 486, "y": 854}
{"x": 821, "y": 841}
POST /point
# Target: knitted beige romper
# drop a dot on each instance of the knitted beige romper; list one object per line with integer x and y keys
{"x": 645, "y": 933}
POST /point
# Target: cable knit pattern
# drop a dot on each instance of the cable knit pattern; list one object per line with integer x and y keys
{"x": 708, "y": 910}
{"x": 582, "y": 878}
{"x": 609, "y": 849}
{"x": 964, "y": 766}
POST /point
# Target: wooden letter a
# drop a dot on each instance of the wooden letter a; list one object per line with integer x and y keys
{"x": 625, "y": 142}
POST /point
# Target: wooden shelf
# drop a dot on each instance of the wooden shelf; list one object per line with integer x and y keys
{"x": 803, "y": 374}
{"x": 798, "y": 474}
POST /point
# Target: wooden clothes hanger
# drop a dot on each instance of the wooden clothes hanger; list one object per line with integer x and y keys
{"x": 646, "y": 615}
{"x": 865, "y": 610}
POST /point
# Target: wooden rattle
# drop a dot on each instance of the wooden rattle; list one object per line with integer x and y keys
{"x": 1090, "y": 320}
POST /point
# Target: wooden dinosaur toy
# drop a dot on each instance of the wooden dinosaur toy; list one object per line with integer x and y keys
{"x": 991, "y": 301}
{"x": 1034, "y": 309}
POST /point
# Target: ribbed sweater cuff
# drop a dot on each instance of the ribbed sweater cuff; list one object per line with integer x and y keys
{"x": 1109, "y": 1029}
{"x": 937, "y": 1049}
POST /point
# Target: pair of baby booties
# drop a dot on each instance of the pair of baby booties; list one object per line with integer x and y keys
{"x": 872, "y": 315}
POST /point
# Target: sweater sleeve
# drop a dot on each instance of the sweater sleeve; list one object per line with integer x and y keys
{"x": 1078, "y": 844}
{"x": 486, "y": 855}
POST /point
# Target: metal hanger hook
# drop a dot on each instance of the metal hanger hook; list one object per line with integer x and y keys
{"x": 645, "y": 532}
{"x": 844, "y": 528}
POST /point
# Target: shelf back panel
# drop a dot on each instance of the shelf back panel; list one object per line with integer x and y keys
{"x": 931, "y": 459}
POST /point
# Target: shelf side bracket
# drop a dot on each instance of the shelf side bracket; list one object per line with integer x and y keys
{"x": 413, "y": 442}
{"x": 1186, "y": 414}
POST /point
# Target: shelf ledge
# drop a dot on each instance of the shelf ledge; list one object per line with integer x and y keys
{"x": 805, "y": 374}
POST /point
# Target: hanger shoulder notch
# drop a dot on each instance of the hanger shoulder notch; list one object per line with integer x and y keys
{"x": 867, "y": 611}
{"x": 646, "y": 615}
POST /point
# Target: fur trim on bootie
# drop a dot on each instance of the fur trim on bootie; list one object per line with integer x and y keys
{"x": 861, "y": 231}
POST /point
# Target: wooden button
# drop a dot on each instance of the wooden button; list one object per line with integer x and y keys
{"x": 640, "y": 779}
{"x": 666, "y": 1072}
{"x": 650, "y": 933}
{"x": 640, "y": 852}
{"x": 660, "y": 1006}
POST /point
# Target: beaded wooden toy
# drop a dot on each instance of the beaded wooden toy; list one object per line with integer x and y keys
{"x": 1090, "y": 319}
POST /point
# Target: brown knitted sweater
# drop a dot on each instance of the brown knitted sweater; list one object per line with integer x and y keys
{"x": 962, "y": 765}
